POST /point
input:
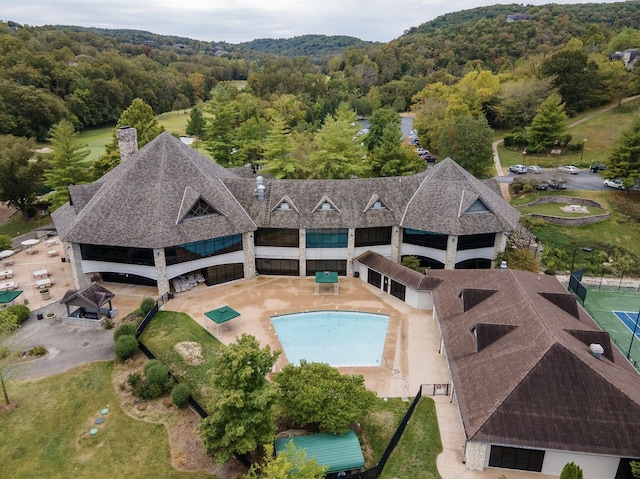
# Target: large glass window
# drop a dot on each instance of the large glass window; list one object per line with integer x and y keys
{"x": 374, "y": 278}
{"x": 425, "y": 238}
{"x": 327, "y": 238}
{"x": 117, "y": 254}
{"x": 426, "y": 262}
{"x": 314, "y": 265}
{"x": 516, "y": 458}
{"x": 474, "y": 263}
{"x": 224, "y": 273}
{"x": 373, "y": 236}
{"x": 286, "y": 267}
{"x": 280, "y": 237}
{"x": 398, "y": 290}
{"x": 486, "y": 240}
{"x": 202, "y": 249}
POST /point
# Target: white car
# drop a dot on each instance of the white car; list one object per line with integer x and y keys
{"x": 534, "y": 169}
{"x": 421, "y": 151}
{"x": 572, "y": 170}
{"x": 611, "y": 183}
{"x": 518, "y": 169}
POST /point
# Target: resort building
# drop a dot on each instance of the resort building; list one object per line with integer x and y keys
{"x": 171, "y": 217}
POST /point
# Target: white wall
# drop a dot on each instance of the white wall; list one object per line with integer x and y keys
{"x": 593, "y": 467}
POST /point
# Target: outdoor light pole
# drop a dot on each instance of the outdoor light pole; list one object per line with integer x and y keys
{"x": 584, "y": 140}
{"x": 635, "y": 328}
{"x": 573, "y": 259}
{"x": 524, "y": 156}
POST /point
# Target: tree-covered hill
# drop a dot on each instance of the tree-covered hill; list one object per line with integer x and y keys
{"x": 312, "y": 46}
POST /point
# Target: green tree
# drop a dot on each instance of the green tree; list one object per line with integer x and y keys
{"x": 67, "y": 164}
{"x": 20, "y": 178}
{"x": 467, "y": 140}
{"x": 412, "y": 262}
{"x": 381, "y": 118}
{"x": 196, "y": 123}
{"x": 336, "y": 152}
{"x": 140, "y": 116}
{"x": 241, "y": 417}
{"x": 291, "y": 463}
{"x": 624, "y": 158}
{"x": 278, "y": 147}
{"x": 391, "y": 158}
{"x": 571, "y": 471}
{"x": 221, "y": 141}
{"x": 317, "y": 394}
{"x": 635, "y": 469}
{"x": 548, "y": 126}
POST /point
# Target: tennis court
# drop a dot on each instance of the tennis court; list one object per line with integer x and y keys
{"x": 617, "y": 313}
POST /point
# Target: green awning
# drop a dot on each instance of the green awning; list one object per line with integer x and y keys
{"x": 326, "y": 277}
{"x": 337, "y": 452}
{"x": 222, "y": 315}
{"x": 9, "y": 296}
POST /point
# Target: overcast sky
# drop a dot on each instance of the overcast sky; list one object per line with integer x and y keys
{"x": 235, "y": 21}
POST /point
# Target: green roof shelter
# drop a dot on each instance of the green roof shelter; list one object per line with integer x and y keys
{"x": 337, "y": 452}
{"x": 8, "y": 298}
{"x": 221, "y": 315}
{"x": 327, "y": 277}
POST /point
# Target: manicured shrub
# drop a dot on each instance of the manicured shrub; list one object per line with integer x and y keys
{"x": 8, "y": 321}
{"x": 150, "y": 364}
{"x": 5, "y": 242}
{"x": 124, "y": 329}
{"x": 126, "y": 346}
{"x": 134, "y": 379}
{"x": 147, "y": 305}
{"x": 571, "y": 471}
{"x": 37, "y": 351}
{"x": 158, "y": 374}
{"x": 550, "y": 271}
{"x": 180, "y": 395}
{"x": 21, "y": 311}
{"x": 146, "y": 390}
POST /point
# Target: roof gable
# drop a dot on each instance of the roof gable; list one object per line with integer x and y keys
{"x": 487, "y": 334}
{"x": 375, "y": 203}
{"x": 478, "y": 206}
{"x": 325, "y": 204}
{"x": 566, "y": 302}
{"x": 285, "y": 204}
{"x": 471, "y": 297}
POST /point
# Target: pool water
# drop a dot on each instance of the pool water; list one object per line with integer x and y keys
{"x": 338, "y": 338}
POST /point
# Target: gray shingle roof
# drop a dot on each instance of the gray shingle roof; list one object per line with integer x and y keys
{"x": 535, "y": 383}
{"x": 142, "y": 202}
{"x": 397, "y": 272}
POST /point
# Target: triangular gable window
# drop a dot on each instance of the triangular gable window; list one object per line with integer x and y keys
{"x": 201, "y": 208}
{"x": 285, "y": 204}
{"x": 478, "y": 206}
{"x": 326, "y": 204}
{"x": 375, "y": 203}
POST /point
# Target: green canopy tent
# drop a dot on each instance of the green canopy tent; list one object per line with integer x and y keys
{"x": 327, "y": 277}
{"x": 221, "y": 315}
{"x": 7, "y": 298}
{"x": 337, "y": 452}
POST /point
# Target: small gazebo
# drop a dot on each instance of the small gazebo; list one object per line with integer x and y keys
{"x": 8, "y": 298}
{"x": 89, "y": 302}
{"x": 221, "y": 315}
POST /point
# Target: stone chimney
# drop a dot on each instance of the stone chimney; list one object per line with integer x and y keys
{"x": 127, "y": 138}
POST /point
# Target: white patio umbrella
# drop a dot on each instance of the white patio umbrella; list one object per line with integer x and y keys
{"x": 30, "y": 242}
{"x": 6, "y": 253}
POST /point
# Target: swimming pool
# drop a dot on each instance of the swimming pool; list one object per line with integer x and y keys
{"x": 339, "y": 338}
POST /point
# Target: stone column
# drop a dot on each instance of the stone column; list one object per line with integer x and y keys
{"x": 249, "y": 249}
{"x": 127, "y": 138}
{"x": 396, "y": 241}
{"x": 500, "y": 244}
{"x": 475, "y": 455}
{"x": 351, "y": 246}
{"x": 74, "y": 256}
{"x": 303, "y": 252}
{"x": 160, "y": 262}
{"x": 452, "y": 244}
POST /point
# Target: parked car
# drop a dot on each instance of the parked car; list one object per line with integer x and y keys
{"x": 413, "y": 141}
{"x": 572, "y": 170}
{"x": 520, "y": 169}
{"x": 557, "y": 185}
{"x": 542, "y": 185}
{"x": 429, "y": 158}
{"x": 534, "y": 169}
{"x": 598, "y": 167}
{"x": 421, "y": 151}
{"x": 611, "y": 183}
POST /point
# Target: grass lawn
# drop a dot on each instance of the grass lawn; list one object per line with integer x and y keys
{"x": 47, "y": 435}
{"x": 14, "y": 226}
{"x": 554, "y": 209}
{"x": 599, "y": 131}
{"x": 169, "y": 328}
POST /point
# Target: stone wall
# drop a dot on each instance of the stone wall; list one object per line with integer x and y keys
{"x": 475, "y": 454}
{"x": 568, "y": 200}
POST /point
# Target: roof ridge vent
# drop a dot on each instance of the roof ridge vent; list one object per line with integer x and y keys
{"x": 596, "y": 349}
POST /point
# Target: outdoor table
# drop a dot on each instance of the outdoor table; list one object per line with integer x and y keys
{"x": 6, "y": 274}
{"x": 40, "y": 273}
{"x": 52, "y": 252}
{"x": 43, "y": 283}
{"x": 7, "y": 286}
{"x": 8, "y": 262}
{"x": 51, "y": 242}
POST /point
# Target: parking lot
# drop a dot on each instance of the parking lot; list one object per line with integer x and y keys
{"x": 585, "y": 180}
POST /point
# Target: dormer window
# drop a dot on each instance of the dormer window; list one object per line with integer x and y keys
{"x": 284, "y": 205}
{"x": 377, "y": 205}
{"x": 326, "y": 206}
{"x": 201, "y": 208}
